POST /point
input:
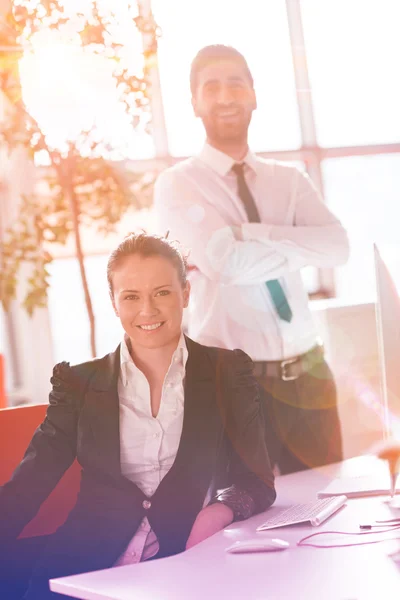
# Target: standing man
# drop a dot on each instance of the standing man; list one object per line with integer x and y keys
{"x": 251, "y": 225}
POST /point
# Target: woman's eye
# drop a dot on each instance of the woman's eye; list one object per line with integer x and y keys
{"x": 163, "y": 293}
{"x": 131, "y": 297}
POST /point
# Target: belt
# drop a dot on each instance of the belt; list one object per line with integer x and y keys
{"x": 291, "y": 368}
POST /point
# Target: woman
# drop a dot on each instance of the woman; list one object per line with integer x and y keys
{"x": 167, "y": 432}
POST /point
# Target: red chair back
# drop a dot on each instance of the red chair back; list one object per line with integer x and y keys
{"x": 3, "y": 400}
{"x": 17, "y": 426}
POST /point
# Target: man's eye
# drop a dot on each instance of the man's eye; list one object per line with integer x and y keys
{"x": 211, "y": 89}
{"x": 239, "y": 90}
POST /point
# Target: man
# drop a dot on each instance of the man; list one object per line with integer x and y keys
{"x": 251, "y": 225}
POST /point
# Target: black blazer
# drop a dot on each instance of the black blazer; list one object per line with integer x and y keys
{"x": 222, "y": 444}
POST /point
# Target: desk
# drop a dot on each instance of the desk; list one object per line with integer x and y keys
{"x": 207, "y": 572}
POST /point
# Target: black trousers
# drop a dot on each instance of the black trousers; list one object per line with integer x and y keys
{"x": 302, "y": 421}
{"x": 17, "y": 565}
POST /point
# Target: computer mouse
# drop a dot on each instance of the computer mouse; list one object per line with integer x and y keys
{"x": 264, "y": 545}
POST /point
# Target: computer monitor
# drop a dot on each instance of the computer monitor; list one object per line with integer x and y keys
{"x": 388, "y": 330}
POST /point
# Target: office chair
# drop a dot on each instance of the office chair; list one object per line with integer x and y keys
{"x": 17, "y": 426}
{"x": 3, "y": 400}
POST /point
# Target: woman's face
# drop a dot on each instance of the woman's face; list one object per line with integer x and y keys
{"x": 149, "y": 299}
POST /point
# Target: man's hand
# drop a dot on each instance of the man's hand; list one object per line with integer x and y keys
{"x": 210, "y": 519}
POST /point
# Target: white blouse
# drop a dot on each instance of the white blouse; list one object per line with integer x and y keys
{"x": 148, "y": 445}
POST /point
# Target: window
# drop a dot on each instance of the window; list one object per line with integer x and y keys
{"x": 257, "y": 29}
{"x": 70, "y": 89}
{"x": 69, "y": 320}
{"x": 364, "y": 192}
{"x": 67, "y": 309}
{"x": 353, "y": 50}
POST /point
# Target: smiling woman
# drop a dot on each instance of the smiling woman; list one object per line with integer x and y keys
{"x": 149, "y": 291}
{"x": 161, "y": 409}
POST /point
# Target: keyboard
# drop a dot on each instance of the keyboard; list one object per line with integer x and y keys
{"x": 315, "y": 512}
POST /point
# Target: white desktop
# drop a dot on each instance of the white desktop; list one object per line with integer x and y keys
{"x": 296, "y": 573}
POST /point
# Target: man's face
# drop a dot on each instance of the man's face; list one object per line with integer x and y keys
{"x": 149, "y": 299}
{"x": 224, "y": 100}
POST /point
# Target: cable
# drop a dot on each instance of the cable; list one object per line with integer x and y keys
{"x": 308, "y": 537}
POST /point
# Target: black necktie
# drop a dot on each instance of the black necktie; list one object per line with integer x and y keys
{"x": 274, "y": 287}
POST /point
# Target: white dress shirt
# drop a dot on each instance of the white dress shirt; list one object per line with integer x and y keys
{"x": 148, "y": 445}
{"x": 198, "y": 202}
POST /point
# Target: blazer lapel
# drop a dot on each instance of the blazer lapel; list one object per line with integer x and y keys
{"x": 200, "y": 423}
{"x": 101, "y": 413}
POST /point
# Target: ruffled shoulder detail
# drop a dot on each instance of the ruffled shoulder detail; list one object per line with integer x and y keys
{"x": 61, "y": 374}
{"x": 244, "y": 368}
{"x": 244, "y": 359}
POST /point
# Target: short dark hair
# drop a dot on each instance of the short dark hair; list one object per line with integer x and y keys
{"x": 210, "y": 54}
{"x": 147, "y": 245}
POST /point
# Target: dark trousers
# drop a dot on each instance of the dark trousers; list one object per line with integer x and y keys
{"x": 17, "y": 565}
{"x": 302, "y": 422}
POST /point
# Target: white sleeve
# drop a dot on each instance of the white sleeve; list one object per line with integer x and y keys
{"x": 317, "y": 238}
{"x": 213, "y": 248}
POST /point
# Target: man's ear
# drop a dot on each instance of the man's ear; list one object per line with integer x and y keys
{"x": 194, "y": 105}
{"x": 186, "y": 295}
{"x": 254, "y": 100}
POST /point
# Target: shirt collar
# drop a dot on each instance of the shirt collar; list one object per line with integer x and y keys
{"x": 179, "y": 357}
{"x": 181, "y": 353}
{"x": 221, "y": 163}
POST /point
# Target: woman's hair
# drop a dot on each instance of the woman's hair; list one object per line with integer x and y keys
{"x": 212, "y": 54}
{"x": 146, "y": 245}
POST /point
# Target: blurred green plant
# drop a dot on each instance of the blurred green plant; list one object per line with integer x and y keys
{"x": 84, "y": 187}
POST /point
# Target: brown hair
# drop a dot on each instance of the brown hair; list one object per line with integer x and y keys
{"x": 146, "y": 245}
{"x": 210, "y": 54}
